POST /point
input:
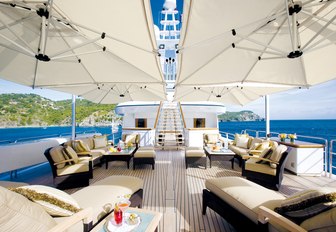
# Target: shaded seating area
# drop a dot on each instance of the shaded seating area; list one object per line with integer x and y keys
{"x": 144, "y": 155}
{"x": 93, "y": 147}
{"x": 69, "y": 171}
{"x": 195, "y": 155}
{"x": 266, "y": 170}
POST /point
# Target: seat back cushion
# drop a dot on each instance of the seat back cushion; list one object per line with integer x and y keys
{"x": 212, "y": 138}
{"x": 100, "y": 141}
{"x": 80, "y": 146}
{"x": 71, "y": 154}
{"x": 53, "y": 201}
{"x": 88, "y": 141}
{"x": 131, "y": 138}
{"x": 254, "y": 141}
{"x": 57, "y": 156}
{"x": 277, "y": 153}
{"x": 243, "y": 142}
{"x": 17, "y": 213}
{"x": 239, "y": 136}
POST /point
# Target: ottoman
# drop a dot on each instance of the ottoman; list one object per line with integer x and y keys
{"x": 144, "y": 156}
{"x": 195, "y": 155}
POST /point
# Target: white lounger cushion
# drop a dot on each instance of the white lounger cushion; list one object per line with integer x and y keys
{"x": 145, "y": 154}
{"x": 195, "y": 153}
{"x": 244, "y": 195}
{"x": 103, "y": 194}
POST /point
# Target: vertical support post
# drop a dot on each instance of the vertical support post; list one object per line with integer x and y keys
{"x": 73, "y": 116}
{"x": 267, "y": 116}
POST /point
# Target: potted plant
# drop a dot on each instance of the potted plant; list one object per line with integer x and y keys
{"x": 282, "y": 137}
{"x": 292, "y": 137}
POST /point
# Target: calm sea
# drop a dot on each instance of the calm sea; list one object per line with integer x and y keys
{"x": 316, "y": 128}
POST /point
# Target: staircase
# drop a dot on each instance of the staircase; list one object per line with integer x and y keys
{"x": 169, "y": 131}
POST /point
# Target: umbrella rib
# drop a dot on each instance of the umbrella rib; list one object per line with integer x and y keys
{"x": 255, "y": 63}
{"x": 260, "y": 51}
{"x": 16, "y": 35}
{"x": 23, "y": 52}
{"x": 77, "y": 54}
{"x": 19, "y": 46}
{"x": 318, "y": 33}
{"x": 104, "y": 96}
{"x": 81, "y": 63}
{"x": 97, "y": 32}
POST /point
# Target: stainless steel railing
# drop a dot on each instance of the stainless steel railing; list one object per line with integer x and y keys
{"x": 331, "y": 155}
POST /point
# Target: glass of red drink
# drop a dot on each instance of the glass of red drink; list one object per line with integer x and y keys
{"x": 118, "y": 216}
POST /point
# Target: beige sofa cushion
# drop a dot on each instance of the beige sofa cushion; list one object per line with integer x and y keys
{"x": 80, "y": 146}
{"x": 238, "y": 150}
{"x": 71, "y": 154}
{"x": 252, "y": 165}
{"x": 103, "y": 194}
{"x": 57, "y": 155}
{"x": 100, "y": 141}
{"x": 74, "y": 168}
{"x": 194, "y": 153}
{"x": 145, "y": 154}
{"x": 17, "y": 213}
{"x": 242, "y": 142}
{"x": 244, "y": 195}
{"x": 88, "y": 141}
{"x": 277, "y": 153}
{"x": 212, "y": 138}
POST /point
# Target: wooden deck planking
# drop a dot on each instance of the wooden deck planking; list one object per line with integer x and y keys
{"x": 176, "y": 192}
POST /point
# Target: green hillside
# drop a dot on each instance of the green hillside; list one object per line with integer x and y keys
{"x": 34, "y": 110}
{"x": 245, "y": 115}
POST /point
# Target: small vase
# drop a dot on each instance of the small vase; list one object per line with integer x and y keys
{"x": 282, "y": 139}
{"x": 292, "y": 140}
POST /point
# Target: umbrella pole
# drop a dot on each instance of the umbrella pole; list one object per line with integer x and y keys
{"x": 267, "y": 116}
{"x": 73, "y": 128}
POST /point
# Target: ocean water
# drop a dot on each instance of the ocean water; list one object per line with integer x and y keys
{"x": 315, "y": 128}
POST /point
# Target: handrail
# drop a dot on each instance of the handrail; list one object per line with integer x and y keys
{"x": 157, "y": 115}
{"x": 227, "y": 137}
{"x": 331, "y": 156}
{"x": 38, "y": 137}
{"x": 184, "y": 123}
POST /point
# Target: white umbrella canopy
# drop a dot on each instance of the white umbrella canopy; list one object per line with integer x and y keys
{"x": 117, "y": 93}
{"x": 231, "y": 94}
{"x": 128, "y": 26}
{"x": 276, "y": 42}
{"x": 41, "y": 48}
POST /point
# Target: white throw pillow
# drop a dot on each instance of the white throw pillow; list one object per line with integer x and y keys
{"x": 17, "y": 213}
{"x": 100, "y": 142}
{"x": 54, "y": 201}
{"x": 242, "y": 142}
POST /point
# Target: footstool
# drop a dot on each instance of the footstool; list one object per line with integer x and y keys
{"x": 144, "y": 155}
{"x": 195, "y": 155}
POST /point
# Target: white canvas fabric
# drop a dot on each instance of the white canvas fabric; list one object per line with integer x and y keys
{"x": 255, "y": 48}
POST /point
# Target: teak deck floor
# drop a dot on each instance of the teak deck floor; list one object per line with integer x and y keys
{"x": 175, "y": 191}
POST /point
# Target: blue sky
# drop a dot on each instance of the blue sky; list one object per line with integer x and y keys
{"x": 318, "y": 102}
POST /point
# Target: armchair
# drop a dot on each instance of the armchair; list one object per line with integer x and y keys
{"x": 212, "y": 139}
{"x": 267, "y": 172}
{"x": 68, "y": 172}
{"x": 134, "y": 139}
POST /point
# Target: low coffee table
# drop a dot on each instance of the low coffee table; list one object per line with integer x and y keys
{"x": 149, "y": 221}
{"x": 123, "y": 155}
{"x": 222, "y": 154}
